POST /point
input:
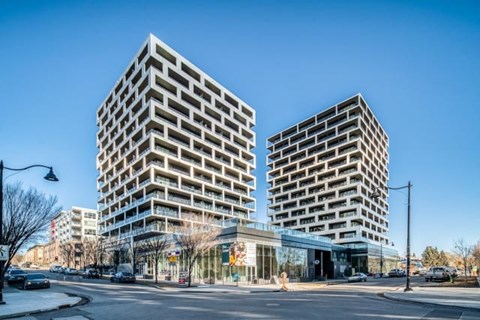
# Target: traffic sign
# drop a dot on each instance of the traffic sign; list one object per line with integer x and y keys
{"x": 3, "y": 253}
{"x": 173, "y": 253}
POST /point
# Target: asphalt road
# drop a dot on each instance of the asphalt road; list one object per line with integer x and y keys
{"x": 347, "y": 301}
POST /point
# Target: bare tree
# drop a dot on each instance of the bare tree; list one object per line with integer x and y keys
{"x": 155, "y": 247}
{"x": 87, "y": 251}
{"x": 116, "y": 247}
{"x": 99, "y": 253}
{"x": 26, "y": 216}
{"x": 136, "y": 250}
{"x": 476, "y": 254}
{"x": 464, "y": 251}
{"x": 67, "y": 251}
{"x": 195, "y": 237}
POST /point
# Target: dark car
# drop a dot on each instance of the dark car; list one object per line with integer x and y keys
{"x": 35, "y": 280}
{"x": 123, "y": 277}
{"x": 15, "y": 275}
{"x": 92, "y": 273}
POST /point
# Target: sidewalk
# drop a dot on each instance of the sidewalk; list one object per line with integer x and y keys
{"x": 241, "y": 288}
{"x": 451, "y": 297}
{"x": 21, "y": 302}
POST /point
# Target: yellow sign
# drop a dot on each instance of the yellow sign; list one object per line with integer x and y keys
{"x": 172, "y": 259}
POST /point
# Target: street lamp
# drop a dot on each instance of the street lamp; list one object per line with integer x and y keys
{"x": 376, "y": 194}
{"x": 381, "y": 259}
{"x": 49, "y": 177}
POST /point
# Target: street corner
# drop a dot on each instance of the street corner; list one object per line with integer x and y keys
{"x": 451, "y": 297}
{"x": 20, "y": 303}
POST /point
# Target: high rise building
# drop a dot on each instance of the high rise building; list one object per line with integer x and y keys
{"x": 171, "y": 142}
{"x": 322, "y": 171}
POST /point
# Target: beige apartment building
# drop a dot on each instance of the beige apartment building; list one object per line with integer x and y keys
{"x": 70, "y": 226}
{"x": 171, "y": 142}
{"x": 36, "y": 255}
{"x": 322, "y": 170}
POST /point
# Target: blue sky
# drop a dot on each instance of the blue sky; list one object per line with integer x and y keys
{"x": 415, "y": 62}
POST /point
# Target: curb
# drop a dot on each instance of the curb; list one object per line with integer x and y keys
{"x": 186, "y": 290}
{"x": 382, "y": 295}
{"x": 83, "y": 300}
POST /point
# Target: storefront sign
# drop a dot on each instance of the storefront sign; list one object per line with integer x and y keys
{"x": 226, "y": 254}
{"x": 182, "y": 279}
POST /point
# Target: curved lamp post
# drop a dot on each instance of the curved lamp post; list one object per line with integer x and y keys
{"x": 50, "y": 177}
{"x": 375, "y": 194}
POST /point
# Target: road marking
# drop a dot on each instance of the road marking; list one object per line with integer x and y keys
{"x": 272, "y": 304}
{"x": 71, "y": 318}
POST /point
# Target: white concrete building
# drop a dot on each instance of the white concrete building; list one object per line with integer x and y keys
{"x": 172, "y": 141}
{"x": 322, "y": 171}
{"x": 74, "y": 225}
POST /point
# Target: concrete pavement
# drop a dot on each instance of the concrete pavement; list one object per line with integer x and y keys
{"x": 450, "y": 297}
{"x": 20, "y": 302}
{"x": 441, "y": 296}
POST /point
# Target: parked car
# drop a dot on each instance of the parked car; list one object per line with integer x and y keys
{"x": 58, "y": 269}
{"x": 71, "y": 271}
{"x": 396, "y": 273}
{"x": 34, "y": 266}
{"x": 35, "y": 280}
{"x": 358, "y": 277}
{"x": 440, "y": 274}
{"x": 123, "y": 277}
{"x": 54, "y": 267}
{"x": 91, "y": 273}
{"x": 10, "y": 269}
{"x": 14, "y": 276}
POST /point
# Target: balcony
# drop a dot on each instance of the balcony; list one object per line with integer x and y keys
{"x": 191, "y": 160}
{"x": 157, "y": 163}
{"x": 179, "y": 199}
{"x": 192, "y": 189}
{"x": 166, "y": 151}
{"x": 214, "y": 195}
{"x": 179, "y": 170}
{"x": 166, "y": 182}
{"x": 203, "y": 205}
{"x": 165, "y": 211}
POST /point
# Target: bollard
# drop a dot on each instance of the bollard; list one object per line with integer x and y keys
{"x": 284, "y": 281}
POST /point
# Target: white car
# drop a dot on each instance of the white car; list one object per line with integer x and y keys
{"x": 358, "y": 277}
{"x": 71, "y": 271}
{"x": 34, "y": 266}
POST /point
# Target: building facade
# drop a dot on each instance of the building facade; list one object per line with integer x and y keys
{"x": 171, "y": 142}
{"x": 322, "y": 170}
{"x": 266, "y": 252}
{"x": 74, "y": 225}
{"x": 36, "y": 255}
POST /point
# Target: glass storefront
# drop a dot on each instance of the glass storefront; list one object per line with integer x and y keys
{"x": 270, "y": 263}
{"x": 372, "y": 259}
